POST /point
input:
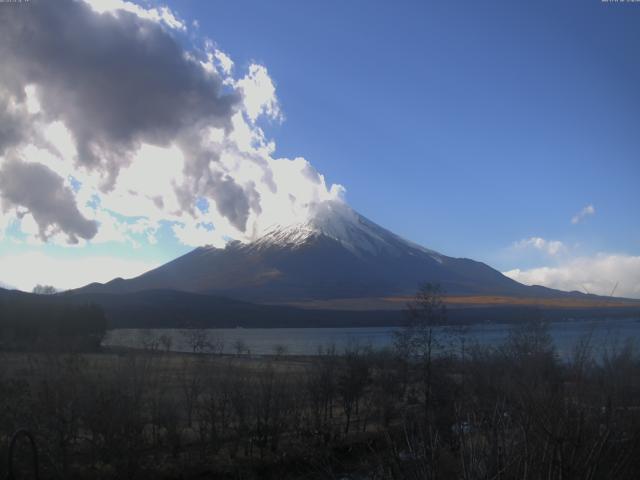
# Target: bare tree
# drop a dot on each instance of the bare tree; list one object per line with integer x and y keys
{"x": 280, "y": 350}
{"x": 216, "y": 344}
{"x": 352, "y": 381}
{"x": 196, "y": 339}
{"x": 166, "y": 341}
{"x": 417, "y": 339}
{"x": 192, "y": 380}
{"x": 240, "y": 346}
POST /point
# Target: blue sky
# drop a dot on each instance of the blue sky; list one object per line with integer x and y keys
{"x": 478, "y": 129}
{"x": 461, "y": 125}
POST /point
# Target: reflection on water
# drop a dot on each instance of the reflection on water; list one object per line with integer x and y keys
{"x": 307, "y": 341}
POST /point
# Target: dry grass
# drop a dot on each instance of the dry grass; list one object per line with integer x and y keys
{"x": 171, "y": 364}
{"x": 400, "y": 302}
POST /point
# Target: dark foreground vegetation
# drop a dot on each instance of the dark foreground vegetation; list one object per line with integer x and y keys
{"x": 515, "y": 411}
{"x": 511, "y": 412}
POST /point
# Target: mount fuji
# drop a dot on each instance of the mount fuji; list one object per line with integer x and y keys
{"x": 337, "y": 254}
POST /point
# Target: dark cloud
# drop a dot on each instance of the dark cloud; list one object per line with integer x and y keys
{"x": 12, "y": 125}
{"x": 114, "y": 80}
{"x": 43, "y": 193}
{"x": 231, "y": 199}
{"x": 118, "y": 81}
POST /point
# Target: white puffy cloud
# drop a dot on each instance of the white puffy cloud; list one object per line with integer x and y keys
{"x": 26, "y": 270}
{"x": 198, "y": 234}
{"x": 259, "y": 93}
{"x": 126, "y": 127}
{"x": 224, "y": 60}
{"x": 550, "y": 247}
{"x": 598, "y": 275}
{"x": 161, "y": 14}
{"x": 582, "y": 214}
{"x": 31, "y": 100}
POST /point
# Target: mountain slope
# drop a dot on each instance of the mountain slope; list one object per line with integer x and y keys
{"x": 337, "y": 254}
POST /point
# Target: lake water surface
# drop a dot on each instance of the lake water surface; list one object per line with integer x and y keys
{"x": 307, "y": 341}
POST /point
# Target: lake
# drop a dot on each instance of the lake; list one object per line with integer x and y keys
{"x": 307, "y": 341}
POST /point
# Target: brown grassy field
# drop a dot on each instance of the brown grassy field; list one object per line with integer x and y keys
{"x": 453, "y": 301}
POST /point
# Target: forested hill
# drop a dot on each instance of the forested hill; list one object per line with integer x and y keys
{"x": 29, "y": 320}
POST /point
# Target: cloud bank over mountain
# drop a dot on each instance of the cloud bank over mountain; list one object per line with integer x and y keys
{"x": 565, "y": 266}
{"x": 28, "y": 269}
{"x": 114, "y": 122}
{"x": 598, "y": 274}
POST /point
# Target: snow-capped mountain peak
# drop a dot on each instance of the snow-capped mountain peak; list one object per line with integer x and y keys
{"x": 337, "y": 221}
